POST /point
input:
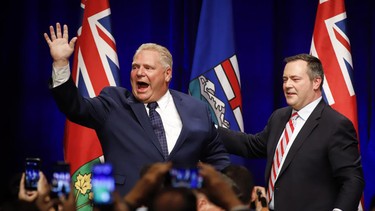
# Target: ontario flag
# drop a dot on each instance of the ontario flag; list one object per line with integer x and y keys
{"x": 215, "y": 77}
{"x": 95, "y": 66}
{"x": 331, "y": 45}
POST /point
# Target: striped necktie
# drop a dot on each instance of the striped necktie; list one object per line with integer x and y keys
{"x": 279, "y": 153}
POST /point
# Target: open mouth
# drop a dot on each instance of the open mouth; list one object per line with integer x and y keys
{"x": 142, "y": 85}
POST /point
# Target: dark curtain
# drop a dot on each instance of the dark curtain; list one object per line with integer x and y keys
{"x": 266, "y": 32}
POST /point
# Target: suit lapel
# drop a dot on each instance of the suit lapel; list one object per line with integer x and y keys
{"x": 282, "y": 119}
{"x": 303, "y": 134}
{"x": 180, "y": 106}
{"x": 139, "y": 111}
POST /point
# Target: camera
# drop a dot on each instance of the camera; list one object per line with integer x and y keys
{"x": 185, "y": 177}
{"x": 260, "y": 198}
{"x": 103, "y": 184}
{"x": 32, "y": 168}
{"x": 60, "y": 182}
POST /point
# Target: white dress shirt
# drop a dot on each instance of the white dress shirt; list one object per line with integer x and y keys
{"x": 171, "y": 119}
{"x": 60, "y": 75}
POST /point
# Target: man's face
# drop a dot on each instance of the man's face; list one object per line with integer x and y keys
{"x": 149, "y": 78}
{"x": 299, "y": 89}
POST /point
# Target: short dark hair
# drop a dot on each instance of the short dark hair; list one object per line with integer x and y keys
{"x": 243, "y": 179}
{"x": 314, "y": 65}
{"x": 179, "y": 199}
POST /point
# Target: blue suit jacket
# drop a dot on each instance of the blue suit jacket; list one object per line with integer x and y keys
{"x": 126, "y": 135}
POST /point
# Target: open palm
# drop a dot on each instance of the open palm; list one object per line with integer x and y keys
{"x": 60, "y": 47}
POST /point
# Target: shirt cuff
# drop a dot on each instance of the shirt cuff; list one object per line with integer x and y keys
{"x": 60, "y": 75}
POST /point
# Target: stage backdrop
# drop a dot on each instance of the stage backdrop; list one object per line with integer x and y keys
{"x": 265, "y": 33}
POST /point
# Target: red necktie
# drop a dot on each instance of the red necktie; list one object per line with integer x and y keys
{"x": 279, "y": 153}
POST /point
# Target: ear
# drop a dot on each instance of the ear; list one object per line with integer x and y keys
{"x": 168, "y": 74}
{"x": 201, "y": 201}
{"x": 316, "y": 83}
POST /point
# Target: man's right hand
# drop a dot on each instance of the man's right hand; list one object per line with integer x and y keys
{"x": 60, "y": 47}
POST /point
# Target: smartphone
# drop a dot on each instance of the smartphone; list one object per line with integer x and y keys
{"x": 103, "y": 184}
{"x": 185, "y": 177}
{"x": 32, "y": 168}
{"x": 60, "y": 181}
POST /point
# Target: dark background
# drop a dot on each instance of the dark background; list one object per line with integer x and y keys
{"x": 266, "y": 31}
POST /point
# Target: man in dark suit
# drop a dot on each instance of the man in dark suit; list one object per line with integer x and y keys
{"x": 319, "y": 166}
{"x": 121, "y": 118}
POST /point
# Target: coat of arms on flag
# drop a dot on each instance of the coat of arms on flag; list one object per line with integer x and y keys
{"x": 215, "y": 76}
{"x": 220, "y": 88}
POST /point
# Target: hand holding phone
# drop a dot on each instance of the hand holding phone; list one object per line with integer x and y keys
{"x": 103, "y": 184}
{"x": 261, "y": 198}
{"x": 32, "y": 168}
{"x": 60, "y": 182}
{"x": 185, "y": 177}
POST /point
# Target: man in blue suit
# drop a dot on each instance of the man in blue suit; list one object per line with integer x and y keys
{"x": 121, "y": 117}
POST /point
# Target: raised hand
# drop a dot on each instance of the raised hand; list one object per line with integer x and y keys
{"x": 26, "y": 195}
{"x": 148, "y": 185}
{"x": 216, "y": 188}
{"x": 60, "y": 47}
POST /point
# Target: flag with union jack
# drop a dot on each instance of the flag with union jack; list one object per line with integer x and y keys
{"x": 215, "y": 77}
{"x": 95, "y": 66}
{"x": 331, "y": 45}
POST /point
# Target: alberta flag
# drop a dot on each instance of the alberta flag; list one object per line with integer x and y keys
{"x": 95, "y": 66}
{"x": 215, "y": 76}
{"x": 331, "y": 45}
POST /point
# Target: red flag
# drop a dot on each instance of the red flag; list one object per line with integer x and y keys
{"x": 331, "y": 45}
{"x": 95, "y": 66}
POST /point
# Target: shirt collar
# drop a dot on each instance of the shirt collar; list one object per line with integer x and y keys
{"x": 305, "y": 112}
{"x": 163, "y": 101}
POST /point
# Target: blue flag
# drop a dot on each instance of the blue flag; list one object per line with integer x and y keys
{"x": 215, "y": 76}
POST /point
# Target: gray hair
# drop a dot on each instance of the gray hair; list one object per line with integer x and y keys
{"x": 165, "y": 56}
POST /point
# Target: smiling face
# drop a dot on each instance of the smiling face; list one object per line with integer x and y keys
{"x": 299, "y": 88}
{"x": 149, "y": 77}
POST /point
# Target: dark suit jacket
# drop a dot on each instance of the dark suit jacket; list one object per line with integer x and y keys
{"x": 126, "y": 135}
{"x": 323, "y": 168}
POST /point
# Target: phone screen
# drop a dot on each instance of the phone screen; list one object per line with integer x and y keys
{"x": 103, "y": 184}
{"x": 60, "y": 182}
{"x": 32, "y": 168}
{"x": 185, "y": 177}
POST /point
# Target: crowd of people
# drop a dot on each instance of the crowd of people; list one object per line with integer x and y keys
{"x": 231, "y": 189}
